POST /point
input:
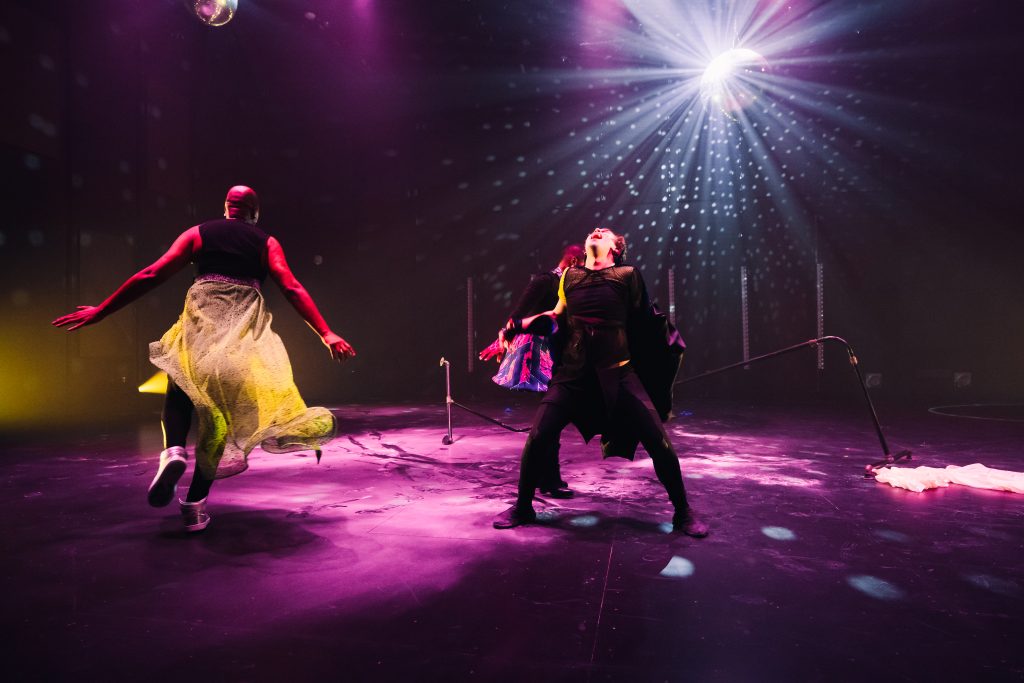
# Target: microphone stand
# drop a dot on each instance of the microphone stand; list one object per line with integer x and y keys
{"x": 449, "y": 402}
{"x": 869, "y": 470}
{"x": 447, "y": 440}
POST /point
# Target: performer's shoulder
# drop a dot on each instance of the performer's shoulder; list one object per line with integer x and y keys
{"x": 222, "y": 224}
{"x": 629, "y": 275}
{"x": 232, "y": 229}
{"x": 573, "y": 273}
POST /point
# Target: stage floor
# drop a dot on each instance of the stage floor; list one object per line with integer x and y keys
{"x": 380, "y": 564}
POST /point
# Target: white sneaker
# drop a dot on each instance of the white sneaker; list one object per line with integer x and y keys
{"x": 172, "y": 466}
{"x": 194, "y": 515}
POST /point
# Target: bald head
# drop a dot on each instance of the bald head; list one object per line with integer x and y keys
{"x": 242, "y": 203}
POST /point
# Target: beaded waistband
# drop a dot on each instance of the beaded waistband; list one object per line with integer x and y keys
{"x": 217, "y": 277}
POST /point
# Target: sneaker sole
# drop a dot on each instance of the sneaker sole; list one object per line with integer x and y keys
{"x": 161, "y": 491}
{"x": 193, "y": 528}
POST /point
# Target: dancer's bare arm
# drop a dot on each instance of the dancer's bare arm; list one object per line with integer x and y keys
{"x": 553, "y": 313}
{"x": 500, "y": 346}
{"x": 303, "y": 302}
{"x": 176, "y": 258}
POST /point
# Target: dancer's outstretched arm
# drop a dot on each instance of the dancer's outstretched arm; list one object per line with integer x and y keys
{"x": 176, "y": 258}
{"x": 500, "y": 346}
{"x": 303, "y": 302}
{"x": 553, "y": 313}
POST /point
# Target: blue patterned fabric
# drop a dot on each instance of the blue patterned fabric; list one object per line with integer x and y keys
{"x": 527, "y": 365}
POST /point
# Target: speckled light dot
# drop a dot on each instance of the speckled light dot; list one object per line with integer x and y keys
{"x": 779, "y": 533}
{"x": 678, "y": 568}
{"x": 584, "y": 521}
{"x": 874, "y": 587}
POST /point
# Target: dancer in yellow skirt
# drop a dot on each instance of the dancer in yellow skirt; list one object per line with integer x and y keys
{"x": 221, "y": 357}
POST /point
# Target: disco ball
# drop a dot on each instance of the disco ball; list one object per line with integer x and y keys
{"x": 213, "y": 12}
{"x": 730, "y": 80}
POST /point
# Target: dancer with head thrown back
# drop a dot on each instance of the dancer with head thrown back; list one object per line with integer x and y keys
{"x": 528, "y": 361}
{"x": 606, "y": 307}
{"x": 221, "y": 357}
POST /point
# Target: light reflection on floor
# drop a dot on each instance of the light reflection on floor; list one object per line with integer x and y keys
{"x": 385, "y": 551}
{"x": 778, "y": 533}
{"x": 875, "y": 587}
{"x": 678, "y": 568}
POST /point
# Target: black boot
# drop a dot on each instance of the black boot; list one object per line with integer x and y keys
{"x": 557, "y": 489}
{"x": 517, "y": 515}
{"x": 551, "y": 483}
{"x": 685, "y": 521}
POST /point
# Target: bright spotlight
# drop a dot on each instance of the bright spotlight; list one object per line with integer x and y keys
{"x": 213, "y": 12}
{"x": 727, "y": 78}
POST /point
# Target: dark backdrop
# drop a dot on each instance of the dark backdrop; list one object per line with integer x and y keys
{"x": 403, "y": 149}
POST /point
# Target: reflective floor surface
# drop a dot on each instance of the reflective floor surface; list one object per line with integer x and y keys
{"x": 380, "y": 563}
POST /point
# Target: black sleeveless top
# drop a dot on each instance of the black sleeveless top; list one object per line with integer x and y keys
{"x": 234, "y": 248}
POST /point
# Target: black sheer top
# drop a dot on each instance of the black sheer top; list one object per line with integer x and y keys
{"x": 233, "y": 248}
{"x": 599, "y": 305}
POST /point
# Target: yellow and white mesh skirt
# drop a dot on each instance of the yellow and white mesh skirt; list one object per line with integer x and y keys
{"x": 222, "y": 353}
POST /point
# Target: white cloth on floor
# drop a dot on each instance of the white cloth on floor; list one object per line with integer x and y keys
{"x": 976, "y": 475}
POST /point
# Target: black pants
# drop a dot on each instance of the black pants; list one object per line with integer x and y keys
{"x": 550, "y": 475}
{"x": 566, "y": 402}
{"x": 177, "y": 419}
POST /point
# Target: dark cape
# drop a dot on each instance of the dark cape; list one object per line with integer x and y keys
{"x": 656, "y": 351}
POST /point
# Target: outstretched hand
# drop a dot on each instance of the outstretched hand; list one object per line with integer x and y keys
{"x": 339, "y": 348}
{"x": 85, "y": 315}
{"x": 496, "y": 350}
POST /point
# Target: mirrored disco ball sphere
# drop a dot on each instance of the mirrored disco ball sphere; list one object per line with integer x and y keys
{"x": 213, "y": 12}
